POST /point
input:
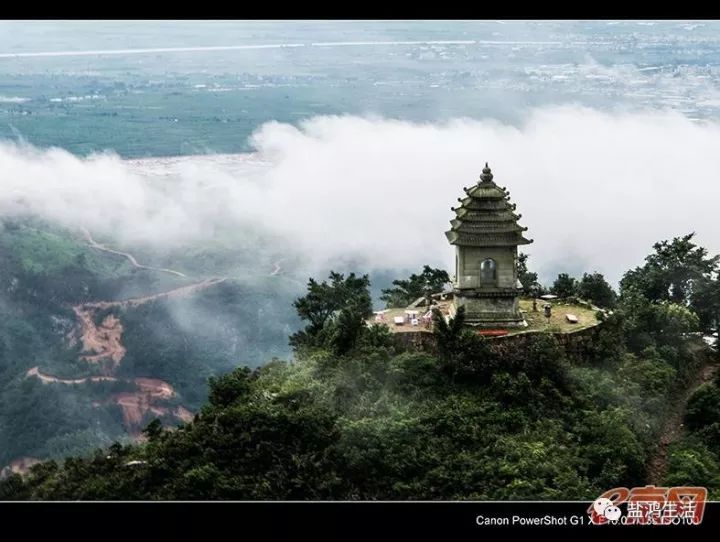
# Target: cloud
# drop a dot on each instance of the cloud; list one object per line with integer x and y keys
{"x": 596, "y": 189}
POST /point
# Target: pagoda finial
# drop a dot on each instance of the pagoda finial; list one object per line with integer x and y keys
{"x": 487, "y": 175}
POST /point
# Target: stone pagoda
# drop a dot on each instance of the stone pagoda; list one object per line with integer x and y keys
{"x": 486, "y": 235}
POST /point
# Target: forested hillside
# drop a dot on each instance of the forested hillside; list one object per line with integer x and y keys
{"x": 96, "y": 342}
{"x": 357, "y": 417}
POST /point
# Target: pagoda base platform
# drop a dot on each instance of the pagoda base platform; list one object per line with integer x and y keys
{"x": 490, "y": 312}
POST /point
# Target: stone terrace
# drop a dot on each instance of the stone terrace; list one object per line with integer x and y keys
{"x": 557, "y": 323}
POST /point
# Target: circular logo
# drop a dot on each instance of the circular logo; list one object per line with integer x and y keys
{"x": 612, "y": 513}
{"x": 600, "y": 505}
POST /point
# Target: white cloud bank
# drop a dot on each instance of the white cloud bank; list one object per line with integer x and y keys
{"x": 595, "y": 189}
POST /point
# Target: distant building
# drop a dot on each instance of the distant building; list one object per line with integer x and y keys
{"x": 486, "y": 235}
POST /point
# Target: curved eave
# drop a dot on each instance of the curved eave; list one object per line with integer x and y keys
{"x": 486, "y": 215}
{"x": 489, "y": 192}
{"x": 457, "y": 238}
{"x": 486, "y": 204}
{"x": 479, "y": 228}
{"x": 495, "y": 224}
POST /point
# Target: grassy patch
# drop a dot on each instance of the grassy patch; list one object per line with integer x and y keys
{"x": 44, "y": 250}
{"x": 558, "y": 321}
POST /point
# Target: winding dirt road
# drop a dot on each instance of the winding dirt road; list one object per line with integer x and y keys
{"x": 127, "y": 255}
{"x": 672, "y": 429}
{"x": 48, "y": 379}
{"x": 102, "y": 344}
{"x": 181, "y": 291}
{"x": 134, "y": 404}
{"x": 103, "y": 341}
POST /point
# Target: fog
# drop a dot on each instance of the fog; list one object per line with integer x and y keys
{"x": 596, "y": 189}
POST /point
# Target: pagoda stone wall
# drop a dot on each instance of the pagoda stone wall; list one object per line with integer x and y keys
{"x": 491, "y": 311}
{"x": 470, "y": 258}
{"x": 580, "y": 344}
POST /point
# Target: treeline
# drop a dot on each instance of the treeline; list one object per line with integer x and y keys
{"x": 355, "y": 417}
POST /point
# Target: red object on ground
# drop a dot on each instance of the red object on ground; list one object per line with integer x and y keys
{"x": 492, "y": 332}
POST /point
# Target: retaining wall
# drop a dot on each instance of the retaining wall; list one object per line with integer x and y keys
{"x": 579, "y": 343}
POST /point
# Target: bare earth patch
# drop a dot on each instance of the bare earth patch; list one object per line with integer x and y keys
{"x": 102, "y": 344}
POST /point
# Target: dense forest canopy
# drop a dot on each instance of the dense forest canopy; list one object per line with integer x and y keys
{"x": 356, "y": 416}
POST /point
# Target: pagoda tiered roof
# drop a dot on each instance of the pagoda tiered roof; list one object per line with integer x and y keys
{"x": 485, "y": 217}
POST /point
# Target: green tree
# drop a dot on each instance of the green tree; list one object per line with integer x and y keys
{"x": 692, "y": 464}
{"x": 407, "y": 291}
{"x": 706, "y": 302}
{"x": 464, "y": 355}
{"x": 527, "y": 278}
{"x": 594, "y": 288}
{"x": 613, "y": 451}
{"x": 670, "y": 273}
{"x": 646, "y": 323}
{"x": 377, "y": 336}
{"x": 348, "y": 327}
{"x": 153, "y": 430}
{"x": 703, "y": 407}
{"x": 564, "y": 286}
{"x": 230, "y": 388}
{"x": 335, "y": 310}
{"x": 13, "y": 488}
{"x": 448, "y": 332}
